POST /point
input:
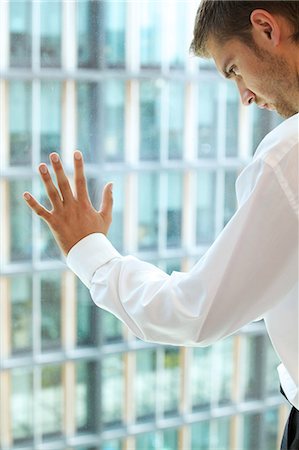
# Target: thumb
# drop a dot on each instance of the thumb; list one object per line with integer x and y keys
{"x": 107, "y": 201}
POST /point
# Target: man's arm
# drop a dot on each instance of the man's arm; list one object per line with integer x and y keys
{"x": 72, "y": 216}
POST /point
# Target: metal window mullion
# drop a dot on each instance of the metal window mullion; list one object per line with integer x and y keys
{"x": 132, "y": 121}
{"x": 190, "y": 123}
{"x": 6, "y": 437}
{"x": 4, "y": 35}
{"x": 69, "y": 122}
{"x": 245, "y": 133}
{"x": 130, "y": 376}
{"x": 36, "y": 129}
{"x": 69, "y": 35}
{"x": 132, "y": 36}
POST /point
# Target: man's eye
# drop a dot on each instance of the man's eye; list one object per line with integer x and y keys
{"x": 234, "y": 71}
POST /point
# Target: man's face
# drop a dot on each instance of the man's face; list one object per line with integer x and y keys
{"x": 261, "y": 77}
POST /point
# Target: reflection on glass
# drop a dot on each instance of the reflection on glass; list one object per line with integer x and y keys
{"x": 50, "y": 118}
{"x": 21, "y": 313}
{"x": 145, "y": 390}
{"x": 206, "y": 207}
{"x": 232, "y": 121}
{"x": 201, "y": 370}
{"x": 87, "y": 317}
{"x": 148, "y": 210}
{"x": 50, "y": 39}
{"x": 87, "y": 117}
{"x": 178, "y": 45}
{"x": 200, "y": 435}
{"x": 225, "y": 364}
{"x": 112, "y": 390}
{"x": 116, "y": 230}
{"x": 271, "y": 420}
{"x": 115, "y": 33}
{"x": 251, "y": 431}
{"x": 150, "y": 34}
{"x": 86, "y": 387}
{"x": 207, "y": 119}
{"x": 230, "y": 199}
{"x": 20, "y": 221}
{"x": 174, "y": 209}
{"x": 20, "y": 122}
{"x": 176, "y": 120}
{"x": 171, "y": 381}
{"x": 150, "y": 107}
{"x": 51, "y": 401}
{"x": 20, "y": 33}
{"x": 113, "y": 96}
{"x": 253, "y": 354}
{"x": 21, "y": 412}
{"x": 51, "y": 310}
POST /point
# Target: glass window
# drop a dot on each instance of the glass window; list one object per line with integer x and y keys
{"x": 148, "y": 210}
{"x": 51, "y": 401}
{"x": 201, "y": 383}
{"x": 272, "y": 362}
{"x": 221, "y": 434}
{"x": 170, "y": 439}
{"x": 176, "y": 120}
{"x": 150, "y": 127}
{"x": 112, "y": 390}
{"x": 113, "y": 96}
{"x": 20, "y": 221}
{"x": 171, "y": 381}
{"x": 88, "y": 315}
{"x": 115, "y": 444}
{"x": 172, "y": 265}
{"x": 22, "y": 404}
{"x": 146, "y": 367}
{"x": 89, "y": 22}
{"x": 224, "y": 355}
{"x": 86, "y": 396}
{"x": 178, "y": 45}
{"x": 50, "y": 118}
{"x": 230, "y": 198}
{"x": 253, "y": 354}
{"x": 174, "y": 209}
{"x": 88, "y": 108}
{"x": 207, "y": 119}
{"x": 20, "y": 122}
{"x": 200, "y": 435}
{"x": 147, "y": 441}
{"x": 115, "y": 33}
{"x": 232, "y": 120}
{"x": 116, "y": 230}
{"x": 21, "y": 313}
{"x": 263, "y": 121}
{"x": 50, "y": 38}
{"x": 51, "y": 310}
{"x": 112, "y": 328}
{"x": 251, "y": 431}
{"x": 206, "y": 207}
{"x": 270, "y": 432}
{"x": 150, "y": 34}
{"x": 20, "y": 33}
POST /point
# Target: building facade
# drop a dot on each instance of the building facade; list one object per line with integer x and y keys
{"x": 115, "y": 80}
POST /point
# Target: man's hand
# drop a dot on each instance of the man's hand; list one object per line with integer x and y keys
{"x": 72, "y": 216}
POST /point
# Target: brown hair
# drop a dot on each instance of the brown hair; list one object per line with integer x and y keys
{"x": 225, "y": 19}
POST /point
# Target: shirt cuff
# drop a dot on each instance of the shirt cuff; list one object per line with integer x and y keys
{"x": 89, "y": 254}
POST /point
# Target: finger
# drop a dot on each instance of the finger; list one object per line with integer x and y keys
{"x": 107, "y": 201}
{"x": 40, "y": 210}
{"x": 62, "y": 180}
{"x": 52, "y": 191}
{"x": 80, "y": 179}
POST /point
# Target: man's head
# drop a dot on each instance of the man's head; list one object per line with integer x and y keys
{"x": 255, "y": 43}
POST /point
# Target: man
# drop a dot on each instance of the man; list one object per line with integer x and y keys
{"x": 251, "y": 270}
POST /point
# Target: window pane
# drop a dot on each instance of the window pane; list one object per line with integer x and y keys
{"x": 50, "y": 39}
{"x": 112, "y": 328}
{"x": 224, "y": 356}
{"x": 170, "y": 439}
{"x": 232, "y": 120}
{"x": 87, "y": 317}
{"x": 252, "y": 430}
{"x": 86, "y": 398}
{"x": 20, "y": 33}
{"x": 147, "y": 441}
{"x": 271, "y": 425}
{"x": 115, "y": 444}
{"x": 272, "y": 362}
{"x": 89, "y": 22}
{"x": 115, "y": 35}
{"x": 201, "y": 370}
{"x": 148, "y": 211}
{"x": 145, "y": 384}
{"x": 206, "y": 207}
{"x": 22, "y": 404}
{"x": 21, "y": 313}
{"x": 113, "y": 95}
{"x": 51, "y": 403}
{"x": 116, "y": 230}
{"x": 253, "y": 355}
{"x": 150, "y": 34}
{"x": 171, "y": 382}
{"x": 51, "y": 310}
{"x": 200, "y": 436}
{"x": 207, "y": 119}
{"x": 221, "y": 434}
{"x": 88, "y": 120}
{"x": 176, "y": 120}
{"x": 20, "y": 123}
{"x": 230, "y": 198}
{"x": 20, "y": 220}
{"x": 174, "y": 209}
{"x": 112, "y": 390}
{"x": 50, "y": 118}
{"x": 150, "y": 107}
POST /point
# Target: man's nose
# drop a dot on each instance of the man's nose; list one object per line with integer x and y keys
{"x": 247, "y": 96}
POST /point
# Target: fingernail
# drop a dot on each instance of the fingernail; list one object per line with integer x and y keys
{"x": 111, "y": 187}
{"x": 43, "y": 168}
{"x": 78, "y": 155}
{"x": 26, "y": 196}
{"x": 54, "y": 157}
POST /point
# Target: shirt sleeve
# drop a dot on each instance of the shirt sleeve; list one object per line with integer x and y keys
{"x": 249, "y": 268}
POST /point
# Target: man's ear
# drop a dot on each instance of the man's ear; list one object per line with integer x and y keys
{"x": 265, "y": 26}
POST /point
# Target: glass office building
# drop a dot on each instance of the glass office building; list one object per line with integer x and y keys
{"x": 115, "y": 79}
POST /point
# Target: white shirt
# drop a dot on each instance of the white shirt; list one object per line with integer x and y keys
{"x": 249, "y": 272}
